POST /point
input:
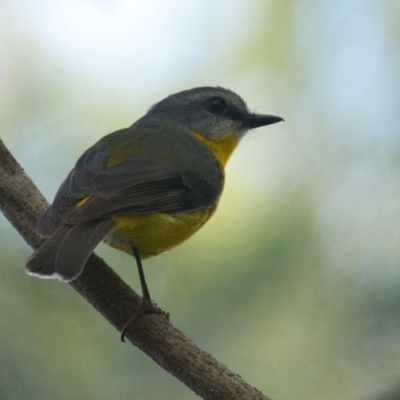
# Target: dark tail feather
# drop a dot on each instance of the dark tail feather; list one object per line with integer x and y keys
{"x": 42, "y": 262}
{"x": 65, "y": 253}
{"x": 77, "y": 246}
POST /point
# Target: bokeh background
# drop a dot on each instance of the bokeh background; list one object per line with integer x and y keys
{"x": 295, "y": 282}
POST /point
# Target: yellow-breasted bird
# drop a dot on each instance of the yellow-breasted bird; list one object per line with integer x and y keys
{"x": 147, "y": 188}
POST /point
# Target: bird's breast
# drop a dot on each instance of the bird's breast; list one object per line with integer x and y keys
{"x": 156, "y": 233}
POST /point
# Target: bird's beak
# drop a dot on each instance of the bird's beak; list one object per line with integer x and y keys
{"x": 252, "y": 121}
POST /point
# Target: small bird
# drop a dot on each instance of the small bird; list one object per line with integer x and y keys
{"x": 147, "y": 188}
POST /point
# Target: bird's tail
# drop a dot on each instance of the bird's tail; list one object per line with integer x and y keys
{"x": 65, "y": 253}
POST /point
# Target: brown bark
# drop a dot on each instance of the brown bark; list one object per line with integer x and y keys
{"x": 22, "y": 204}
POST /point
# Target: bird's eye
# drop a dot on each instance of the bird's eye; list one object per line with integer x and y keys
{"x": 217, "y": 105}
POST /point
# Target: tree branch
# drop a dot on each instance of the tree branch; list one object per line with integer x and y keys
{"x": 23, "y": 204}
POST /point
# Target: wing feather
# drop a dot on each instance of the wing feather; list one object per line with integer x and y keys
{"x": 182, "y": 175}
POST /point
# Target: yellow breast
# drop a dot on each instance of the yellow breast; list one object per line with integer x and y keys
{"x": 156, "y": 233}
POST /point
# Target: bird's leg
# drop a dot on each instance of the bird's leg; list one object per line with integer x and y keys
{"x": 145, "y": 290}
{"x": 147, "y": 305}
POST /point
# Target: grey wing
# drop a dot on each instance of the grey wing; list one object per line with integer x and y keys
{"x": 133, "y": 186}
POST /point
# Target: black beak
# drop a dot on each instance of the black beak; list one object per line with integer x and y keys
{"x": 252, "y": 121}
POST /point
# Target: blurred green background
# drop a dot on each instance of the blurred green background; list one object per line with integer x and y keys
{"x": 295, "y": 282}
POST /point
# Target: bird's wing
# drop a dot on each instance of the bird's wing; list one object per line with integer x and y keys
{"x": 172, "y": 177}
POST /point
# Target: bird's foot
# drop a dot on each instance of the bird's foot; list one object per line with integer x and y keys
{"x": 147, "y": 306}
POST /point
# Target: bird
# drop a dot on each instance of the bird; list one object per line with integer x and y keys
{"x": 147, "y": 188}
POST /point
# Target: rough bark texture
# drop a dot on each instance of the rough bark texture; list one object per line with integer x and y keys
{"x": 23, "y": 204}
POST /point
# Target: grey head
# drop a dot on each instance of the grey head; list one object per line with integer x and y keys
{"x": 213, "y": 112}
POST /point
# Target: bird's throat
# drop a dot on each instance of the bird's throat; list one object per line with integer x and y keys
{"x": 222, "y": 148}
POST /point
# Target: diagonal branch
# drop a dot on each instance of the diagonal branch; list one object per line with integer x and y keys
{"x": 23, "y": 204}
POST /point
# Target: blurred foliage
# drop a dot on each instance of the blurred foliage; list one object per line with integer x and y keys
{"x": 295, "y": 282}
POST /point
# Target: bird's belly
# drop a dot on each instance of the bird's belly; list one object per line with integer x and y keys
{"x": 155, "y": 233}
